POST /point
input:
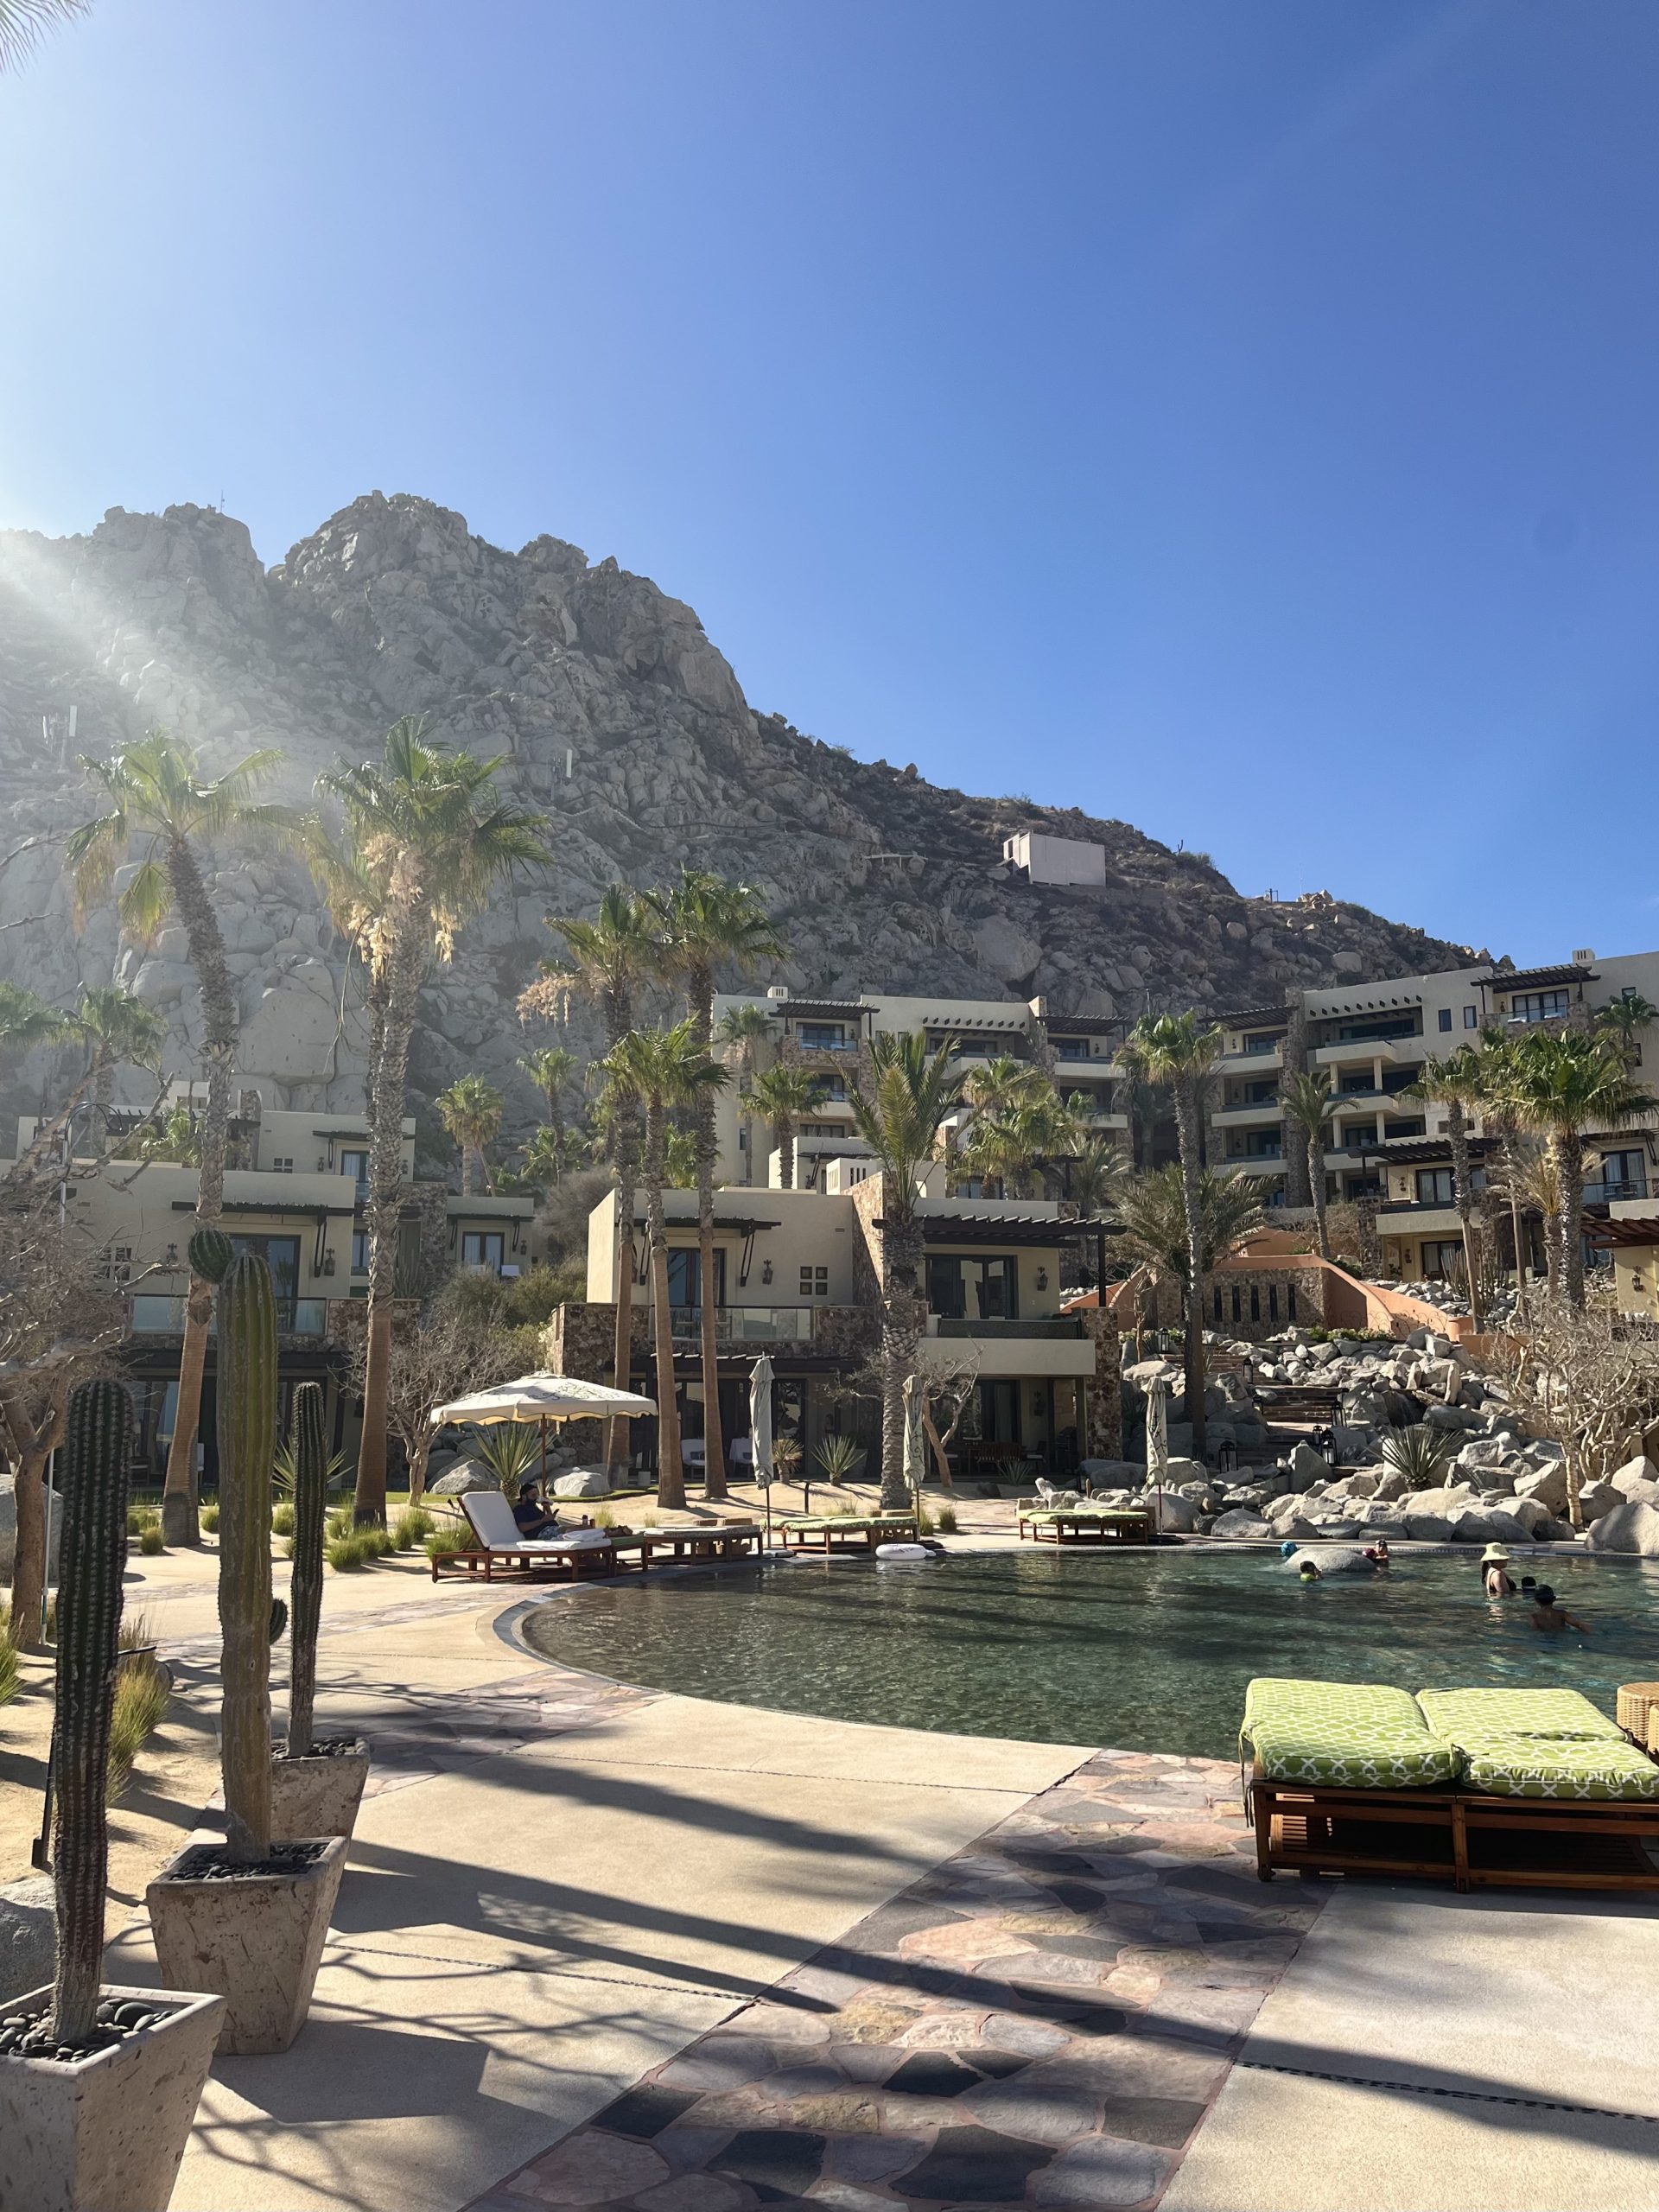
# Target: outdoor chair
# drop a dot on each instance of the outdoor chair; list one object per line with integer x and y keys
{"x": 500, "y": 1543}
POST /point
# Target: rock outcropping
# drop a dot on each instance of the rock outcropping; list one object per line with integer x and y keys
{"x": 622, "y": 721}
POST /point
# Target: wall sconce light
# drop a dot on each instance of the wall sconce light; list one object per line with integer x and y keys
{"x": 765, "y": 1270}
{"x": 1042, "y": 1278}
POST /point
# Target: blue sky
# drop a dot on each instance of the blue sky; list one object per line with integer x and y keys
{"x": 1235, "y": 415}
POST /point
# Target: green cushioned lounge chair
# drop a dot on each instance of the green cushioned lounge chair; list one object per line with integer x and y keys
{"x": 1357, "y": 1735}
{"x": 1539, "y": 1744}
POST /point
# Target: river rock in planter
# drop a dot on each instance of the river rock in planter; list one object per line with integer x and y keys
{"x": 257, "y": 1938}
{"x": 108, "y": 2130}
{"x": 318, "y": 1795}
{"x": 1241, "y": 1524}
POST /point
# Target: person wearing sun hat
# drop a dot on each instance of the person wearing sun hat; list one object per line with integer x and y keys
{"x": 1493, "y": 1561}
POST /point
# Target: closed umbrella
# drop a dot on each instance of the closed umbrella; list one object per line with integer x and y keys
{"x": 760, "y": 1429}
{"x": 915, "y": 1445}
{"x": 1158, "y": 1442}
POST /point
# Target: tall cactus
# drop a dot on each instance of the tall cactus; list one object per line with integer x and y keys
{"x": 96, "y": 1470}
{"x": 247, "y": 1445}
{"x": 305, "y": 1588}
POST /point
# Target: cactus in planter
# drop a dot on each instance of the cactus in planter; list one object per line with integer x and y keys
{"x": 305, "y": 1589}
{"x": 211, "y": 1255}
{"x": 96, "y": 1461}
{"x": 247, "y": 1445}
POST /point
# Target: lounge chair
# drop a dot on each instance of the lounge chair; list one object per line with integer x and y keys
{"x": 1487, "y": 1787}
{"x": 1086, "y": 1524}
{"x": 500, "y": 1543}
{"x": 846, "y": 1531}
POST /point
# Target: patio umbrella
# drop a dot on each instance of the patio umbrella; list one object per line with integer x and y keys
{"x": 543, "y": 1397}
{"x": 1158, "y": 1440}
{"x": 760, "y": 1429}
{"x": 915, "y": 1446}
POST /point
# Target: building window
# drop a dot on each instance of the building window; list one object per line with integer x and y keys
{"x": 1256, "y": 1302}
{"x": 359, "y": 1251}
{"x": 1537, "y": 1006}
{"x": 1273, "y": 1301}
{"x": 1470, "y": 1018}
{"x": 1441, "y": 1256}
{"x": 685, "y": 1277}
{"x": 1217, "y": 1304}
{"x": 1446, "y": 1017}
{"x": 822, "y": 1036}
{"x": 1070, "y": 1048}
{"x": 1434, "y": 1186}
{"x": 1238, "y": 1309}
{"x": 1290, "y": 1300}
{"x": 356, "y": 1165}
{"x": 281, "y": 1167}
{"x": 1261, "y": 1043}
{"x": 815, "y": 1282}
{"x": 973, "y": 1289}
{"x": 482, "y": 1250}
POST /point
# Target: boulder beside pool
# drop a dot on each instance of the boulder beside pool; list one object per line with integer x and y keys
{"x": 1632, "y": 1529}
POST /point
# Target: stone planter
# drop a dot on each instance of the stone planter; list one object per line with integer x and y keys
{"x": 318, "y": 1795}
{"x": 106, "y": 2133}
{"x": 255, "y": 1938}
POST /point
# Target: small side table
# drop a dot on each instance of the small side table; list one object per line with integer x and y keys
{"x": 1635, "y": 1711}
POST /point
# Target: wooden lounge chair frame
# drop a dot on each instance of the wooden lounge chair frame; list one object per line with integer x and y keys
{"x": 537, "y": 1561}
{"x": 856, "y": 1532}
{"x": 1478, "y": 1840}
{"x": 1051, "y": 1524}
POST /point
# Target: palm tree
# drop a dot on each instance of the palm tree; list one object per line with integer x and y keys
{"x": 1530, "y": 1182}
{"x": 1564, "y": 1083}
{"x": 1176, "y": 1049}
{"x": 1309, "y": 1103}
{"x": 1621, "y": 1019}
{"x": 662, "y": 1069}
{"x": 1494, "y": 1064}
{"x": 159, "y": 800}
{"x": 1459, "y": 1083}
{"x": 784, "y": 1095}
{"x": 743, "y": 1030}
{"x": 471, "y": 1111}
{"x": 24, "y": 23}
{"x": 1151, "y": 1209}
{"x": 26, "y": 1021}
{"x": 1094, "y": 1175}
{"x": 706, "y": 922}
{"x": 608, "y": 962}
{"x": 911, "y": 1092}
{"x": 122, "y": 1032}
{"x": 429, "y": 837}
{"x": 550, "y": 1068}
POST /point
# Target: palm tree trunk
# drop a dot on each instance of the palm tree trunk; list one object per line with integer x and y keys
{"x": 465, "y": 1170}
{"x": 699, "y": 1005}
{"x": 1186, "y": 1125}
{"x": 900, "y": 1333}
{"x": 405, "y": 961}
{"x": 1568, "y": 1149}
{"x": 671, "y": 1470}
{"x": 625, "y": 1156}
{"x": 103, "y": 1099}
{"x": 1457, "y": 1130}
{"x": 31, "y": 1445}
{"x": 784, "y": 1133}
{"x": 1313, "y": 1151}
{"x": 180, "y": 1522}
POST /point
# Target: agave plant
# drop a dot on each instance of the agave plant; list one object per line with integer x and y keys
{"x": 1420, "y": 1453}
{"x": 509, "y": 1449}
{"x": 839, "y": 1459}
{"x": 335, "y": 1469}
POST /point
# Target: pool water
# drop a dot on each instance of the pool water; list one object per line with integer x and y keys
{"x": 1146, "y": 1651}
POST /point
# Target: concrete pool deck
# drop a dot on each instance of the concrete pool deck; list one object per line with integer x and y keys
{"x": 824, "y": 1963}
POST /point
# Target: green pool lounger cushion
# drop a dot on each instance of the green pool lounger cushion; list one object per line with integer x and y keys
{"x": 1538, "y": 1744}
{"x": 1351, "y": 1735}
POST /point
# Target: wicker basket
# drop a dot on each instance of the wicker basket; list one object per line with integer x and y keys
{"x": 1635, "y": 1710}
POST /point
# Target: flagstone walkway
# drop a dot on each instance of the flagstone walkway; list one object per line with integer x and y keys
{"x": 1040, "y": 2022}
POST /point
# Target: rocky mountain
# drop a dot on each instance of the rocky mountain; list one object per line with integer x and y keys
{"x": 623, "y": 723}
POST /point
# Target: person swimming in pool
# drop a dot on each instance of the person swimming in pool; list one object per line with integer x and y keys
{"x": 1550, "y": 1618}
{"x": 1494, "y": 1581}
{"x": 1306, "y": 1571}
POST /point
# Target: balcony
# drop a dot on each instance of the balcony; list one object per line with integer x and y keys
{"x": 157, "y": 1314}
{"x": 746, "y": 1325}
{"x": 1606, "y": 1194}
{"x": 1394, "y": 1052}
{"x": 1243, "y": 1111}
{"x": 1061, "y": 1327}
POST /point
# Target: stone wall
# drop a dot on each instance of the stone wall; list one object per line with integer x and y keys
{"x": 1102, "y": 1394}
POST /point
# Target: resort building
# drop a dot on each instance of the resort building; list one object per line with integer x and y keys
{"x": 297, "y": 1193}
{"x": 797, "y": 1274}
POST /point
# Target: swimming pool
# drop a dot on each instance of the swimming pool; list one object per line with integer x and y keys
{"x": 1144, "y": 1651}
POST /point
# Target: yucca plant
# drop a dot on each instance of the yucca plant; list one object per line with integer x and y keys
{"x": 509, "y": 1449}
{"x": 1421, "y": 1453}
{"x": 839, "y": 1459}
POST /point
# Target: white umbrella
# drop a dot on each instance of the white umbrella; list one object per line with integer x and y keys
{"x": 915, "y": 1446}
{"x": 1158, "y": 1440}
{"x": 760, "y": 1429}
{"x": 543, "y": 1398}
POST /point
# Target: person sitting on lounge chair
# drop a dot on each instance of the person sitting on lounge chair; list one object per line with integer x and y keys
{"x": 1551, "y": 1617}
{"x": 533, "y": 1512}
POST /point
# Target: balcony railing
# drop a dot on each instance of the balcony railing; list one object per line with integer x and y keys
{"x": 753, "y": 1324}
{"x": 1602, "y": 1194}
{"x": 1063, "y": 1327}
{"x": 156, "y": 1314}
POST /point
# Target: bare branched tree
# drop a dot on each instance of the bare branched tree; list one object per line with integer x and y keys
{"x": 1590, "y": 1380}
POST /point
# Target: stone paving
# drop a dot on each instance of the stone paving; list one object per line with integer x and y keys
{"x": 1041, "y": 2022}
